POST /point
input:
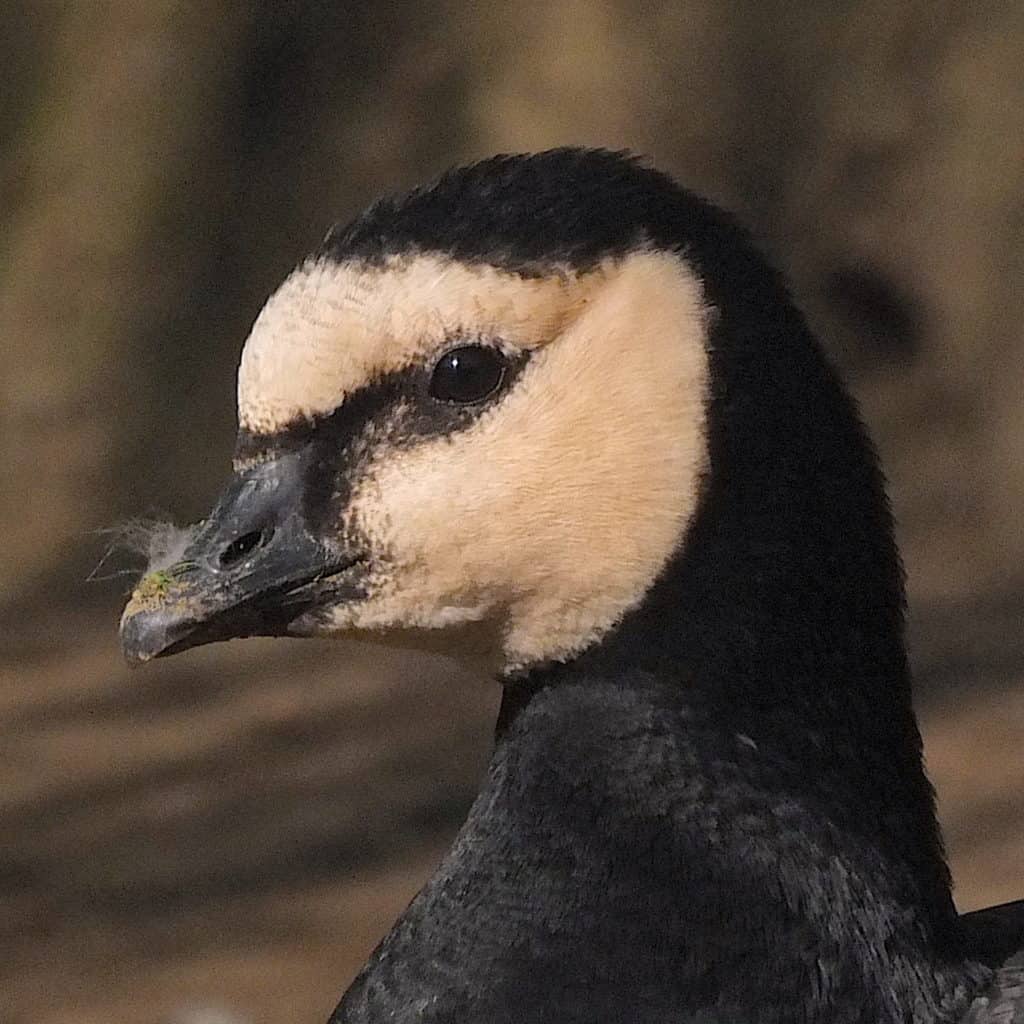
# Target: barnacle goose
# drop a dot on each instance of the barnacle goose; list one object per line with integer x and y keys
{"x": 562, "y": 403}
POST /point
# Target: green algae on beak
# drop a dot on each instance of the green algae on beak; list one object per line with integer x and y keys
{"x": 158, "y": 585}
{"x": 252, "y": 567}
{"x": 164, "y": 601}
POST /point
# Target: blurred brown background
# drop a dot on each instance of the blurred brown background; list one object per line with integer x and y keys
{"x": 224, "y": 836}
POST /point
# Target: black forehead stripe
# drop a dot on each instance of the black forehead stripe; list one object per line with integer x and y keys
{"x": 539, "y": 214}
{"x": 527, "y": 214}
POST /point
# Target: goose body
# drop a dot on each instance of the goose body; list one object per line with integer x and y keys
{"x": 561, "y": 406}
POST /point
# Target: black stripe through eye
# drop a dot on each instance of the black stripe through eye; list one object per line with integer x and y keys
{"x": 397, "y": 409}
{"x": 463, "y": 377}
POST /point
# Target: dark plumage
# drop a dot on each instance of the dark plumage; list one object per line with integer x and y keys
{"x": 720, "y": 812}
{"x": 717, "y": 812}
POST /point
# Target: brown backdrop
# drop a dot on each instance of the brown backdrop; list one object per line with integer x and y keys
{"x": 225, "y": 836}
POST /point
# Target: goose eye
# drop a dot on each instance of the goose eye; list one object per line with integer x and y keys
{"x": 467, "y": 374}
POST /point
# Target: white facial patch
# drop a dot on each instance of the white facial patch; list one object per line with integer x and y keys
{"x": 551, "y": 514}
{"x": 330, "y": 328}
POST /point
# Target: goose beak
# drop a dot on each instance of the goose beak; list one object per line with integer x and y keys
{"x": 252, "y": 569}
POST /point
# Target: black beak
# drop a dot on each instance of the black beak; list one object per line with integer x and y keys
{"x": 252, "y": 569}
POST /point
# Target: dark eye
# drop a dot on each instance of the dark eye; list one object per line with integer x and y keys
{"x": 467, "y": 374}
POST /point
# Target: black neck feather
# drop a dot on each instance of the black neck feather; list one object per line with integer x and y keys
{"x": 719, "y": 812}
{"x": 776, "y": 635}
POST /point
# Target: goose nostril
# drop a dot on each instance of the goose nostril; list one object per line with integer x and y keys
{"x": 244, "y": 545}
